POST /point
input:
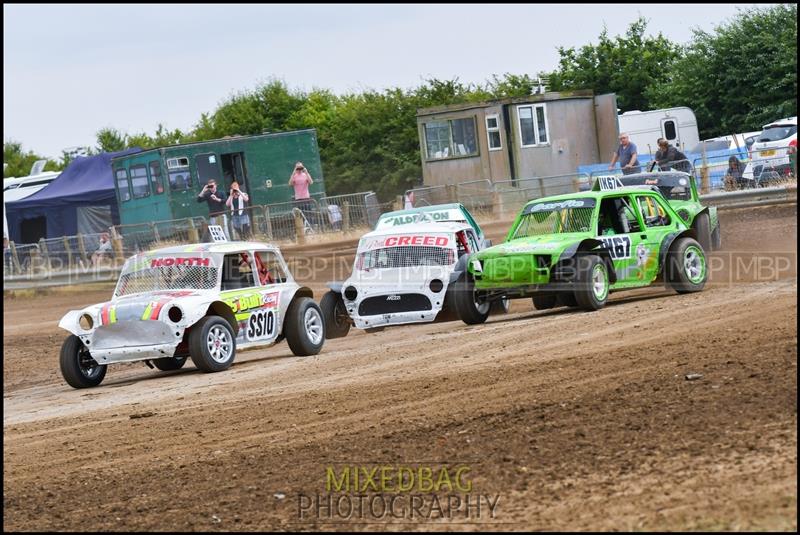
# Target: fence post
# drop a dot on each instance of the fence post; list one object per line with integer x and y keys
{"x": 497, "y": 204}
{"x": 452, "y": 192}
{"x": 14, "y": 258}
{"x": 45, "y": 252}
{"x": 299, "y": 228}
{"x": 576, "y": 184}
{"x": 542, "y": 188}
{"x": 68, "y": 249}
{"x": 155, "y": 231}
{"x": 705, "y": 186}
{"x": 82, "y": 248}
{"x": 346, "y": 216}
{"x": 116, "y": 244}
{"x": 268, "y": 221}
{"x": 192, "y": 232}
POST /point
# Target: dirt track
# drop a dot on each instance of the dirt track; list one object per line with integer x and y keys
{"x": 577, "y": 420}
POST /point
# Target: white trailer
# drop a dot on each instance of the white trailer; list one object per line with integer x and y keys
{"x": 15, "y": 189}
{"x": 676, "y": 125}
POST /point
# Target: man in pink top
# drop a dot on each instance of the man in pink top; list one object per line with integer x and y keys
{"x": 300, "y": 179}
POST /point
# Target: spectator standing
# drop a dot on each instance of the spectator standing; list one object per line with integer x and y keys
{"x": 408, "y": 200}
{"x": 103, "y": 251}
{"x": 669, "y": 157}
{"x": 301, "y": 180}
{"x": 216, "y": 204}
{"x": 240, "y": 219}
{"x": 627, "y": 155}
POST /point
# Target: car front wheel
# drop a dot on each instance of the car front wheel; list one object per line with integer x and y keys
{"x": 592, "y": 284}
{"x": 304, "y": 327}
{"x": 212, "y": 344}
{"x": 78, "y": 367}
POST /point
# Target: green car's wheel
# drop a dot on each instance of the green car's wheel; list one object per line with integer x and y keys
{"x": 716, "y": 238}
{"x": 466, "y": 303}
{"x": 702, "y": 224}
{"x": 686, "y": 266}
{"x": 337, "y": 322}
{"x": 566, "y": 299}
{"x": 544, "y": 301}
{"x": 591, "y": 284}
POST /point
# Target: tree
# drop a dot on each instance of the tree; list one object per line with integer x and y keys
{"x": 627, "y": 66}
{"x": 19, "y": 162}
{"x": 740, "y": 77}
{"x": 110, "y": 140}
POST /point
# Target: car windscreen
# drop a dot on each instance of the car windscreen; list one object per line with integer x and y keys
{"x": 166, "y": 273}
{"x": 555, "y": 218}
{"x": 777, "y": 132}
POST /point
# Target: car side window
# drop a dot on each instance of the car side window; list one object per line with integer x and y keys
{"x": 473, "y": 242}
{"x": 653, "y": 213}
{"x": 269, "y": 267}
{"x": 237, "y": 272}
{"x": 616, "y": 217}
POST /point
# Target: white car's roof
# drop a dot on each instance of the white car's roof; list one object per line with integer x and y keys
{"x": 216, "y": 247}
{"x": 420, "y": 228}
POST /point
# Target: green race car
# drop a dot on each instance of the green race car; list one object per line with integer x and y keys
{"x": 680, "y": 189}
{"x": 574, "y": 249}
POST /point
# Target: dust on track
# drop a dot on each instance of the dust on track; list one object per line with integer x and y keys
{"x": 578, "y": 420}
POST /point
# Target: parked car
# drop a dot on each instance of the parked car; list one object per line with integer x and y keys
{"x": 572, "y": 250}
{"x": 201, "y": 301}
{"x": 771, "y": 155}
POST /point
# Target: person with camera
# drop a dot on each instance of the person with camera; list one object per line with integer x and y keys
{"x": 239, "y": 216}
{"x": 301, "y": 180}
{"x": 216, "y": 204}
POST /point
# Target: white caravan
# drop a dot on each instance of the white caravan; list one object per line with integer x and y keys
{"x": 676, "y": 125}
{"x": 15, "y": 189}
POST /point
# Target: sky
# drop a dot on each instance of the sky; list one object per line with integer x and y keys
{"x": 70, "y": 70}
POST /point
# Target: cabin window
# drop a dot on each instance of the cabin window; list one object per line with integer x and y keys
{"x": 122, "y": 185}
{"x": 493, "y": 132}
{"x": 141, "y": 188}
{"x": 451, "y": 139}
{"x": 533, "y": 128}
{"x": 177, "y": 163}
{"x": 156, "y": 179}
{"x": 179, "y": 176}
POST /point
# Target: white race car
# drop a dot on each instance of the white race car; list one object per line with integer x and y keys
{"x": 404, "y": 274}
{"x": 202, "y": 301}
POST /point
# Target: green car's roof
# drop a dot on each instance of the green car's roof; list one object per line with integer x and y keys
{"x": 596, "y": 195}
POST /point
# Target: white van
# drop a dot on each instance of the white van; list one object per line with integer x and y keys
{"x": 677, "y": 125}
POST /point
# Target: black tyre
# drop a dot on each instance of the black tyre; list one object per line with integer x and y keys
{"x": 702, "y": 224}
{"x": 686, "y": 268}
{"x": 544, "y": 301}
{"x": 591, "y": 283}
{"x": 78, "y": 367}
{"x": 500, "y": 306}
{"x": 337, "y": 322}
{"x": 304, "y": 327}
{"x": 169, "y": 363}
{"x": 716, "y": 238}
{"x": 466, "y": 303}
{"x": 567, "y": 299}
{"x": 212, "y": 344}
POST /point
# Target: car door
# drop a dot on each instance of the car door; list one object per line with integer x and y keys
{"x": 620, "y": 230}
{"x": 657, "y": 223}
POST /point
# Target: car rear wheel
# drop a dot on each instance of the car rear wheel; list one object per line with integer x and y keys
{"x": 337, "y": 322}
{"x": 304, "y": 327}
{"x": 591, "y": 284}
{"x": 686, "y": 266}
{"x": 78, "y": 367}
{"x": 169, "y": 363}
{"x": 212, "y": 344}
